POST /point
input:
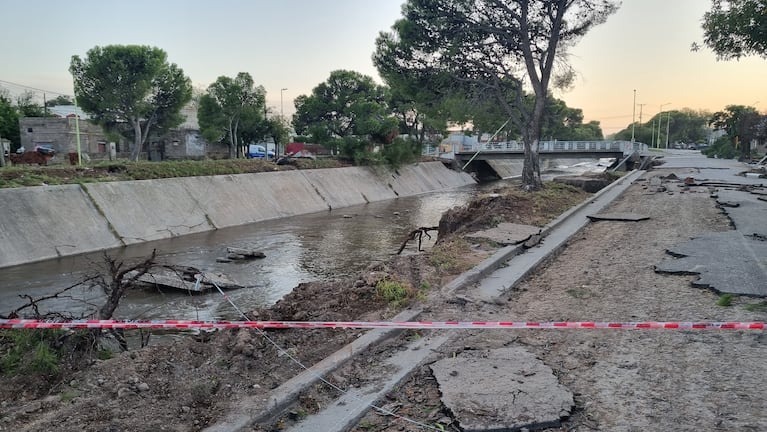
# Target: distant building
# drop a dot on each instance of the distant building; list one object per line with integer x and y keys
{"x": 59, "y": 132}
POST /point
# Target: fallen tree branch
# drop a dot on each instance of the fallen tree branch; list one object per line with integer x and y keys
{"x": 417, "y": 234}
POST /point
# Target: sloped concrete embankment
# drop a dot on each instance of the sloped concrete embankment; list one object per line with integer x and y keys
{"x": 39, "y": 223}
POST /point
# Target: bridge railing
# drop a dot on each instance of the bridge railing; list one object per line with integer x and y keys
{"x": 559, "y": 146}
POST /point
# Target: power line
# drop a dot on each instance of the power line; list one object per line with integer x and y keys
{"x": 34, "y": 88}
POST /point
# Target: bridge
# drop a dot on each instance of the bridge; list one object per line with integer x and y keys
{"x": 476, "y": 156}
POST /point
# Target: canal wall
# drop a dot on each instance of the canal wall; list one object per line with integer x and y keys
{"x": 44, "y": 222}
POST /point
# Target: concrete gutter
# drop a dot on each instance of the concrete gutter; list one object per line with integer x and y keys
{"x": 343, "y": 414}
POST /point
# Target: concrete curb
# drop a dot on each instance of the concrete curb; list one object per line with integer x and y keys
{"x": 281, "y": 397}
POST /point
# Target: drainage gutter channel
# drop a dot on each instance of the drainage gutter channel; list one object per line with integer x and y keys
{"x": 495, "y": 279}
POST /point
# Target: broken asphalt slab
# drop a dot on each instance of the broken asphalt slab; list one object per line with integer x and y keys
{"x": 727, "y": 262}
{"x": 507, "y": 233}
{"x": 748, "y": 215}
{"x": 504, "y": 389}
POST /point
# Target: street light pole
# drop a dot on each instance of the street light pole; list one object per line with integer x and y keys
{"x": 633, "y": 116}
{"x": 668, "y": 122}
{"x": 282, "y": 119}
{"x": 281, "y": 113}
{"x": 660, "y": 119}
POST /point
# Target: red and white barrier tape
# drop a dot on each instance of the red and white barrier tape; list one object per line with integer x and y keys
{"x": 189, "y": 324}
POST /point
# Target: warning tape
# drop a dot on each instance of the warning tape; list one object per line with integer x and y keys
{"x": 189, "y": 324}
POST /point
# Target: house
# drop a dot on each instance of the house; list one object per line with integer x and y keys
{"x": 60, "y": 132}
{"x": 185, "y": 141}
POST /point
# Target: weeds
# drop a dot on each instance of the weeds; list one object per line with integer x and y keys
{"x": 725, "y": 300}
{"x": 391, "y": 291}
{"x": 449, "y": 256}
{"x": 27, "y": 351}
{"x": 756, "y": 307}
{"x": 68, "y": 395}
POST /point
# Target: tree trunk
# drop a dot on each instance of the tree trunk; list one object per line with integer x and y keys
{"x": 531, "y": 170}
{"x": 136, "y": 150}
{"x": 232, "y": 142}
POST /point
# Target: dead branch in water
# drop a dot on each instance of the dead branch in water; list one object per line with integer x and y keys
{"x": 417, "y": 234}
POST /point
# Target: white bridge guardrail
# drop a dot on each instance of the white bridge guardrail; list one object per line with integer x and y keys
{"x": 627, "y": 147}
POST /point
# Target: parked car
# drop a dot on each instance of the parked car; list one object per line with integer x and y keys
{"x": 259, "y": 151}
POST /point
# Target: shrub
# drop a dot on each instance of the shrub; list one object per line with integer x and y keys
{"x": 722, "y": 148}
{"x": 30, "y": 351}
{"x": 725, "y": 300}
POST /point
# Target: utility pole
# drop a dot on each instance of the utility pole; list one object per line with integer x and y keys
{"x": 660, "y": 120}
{"x": 668, "y": 123}
{"x": 633, "y": 117}
{"x": 640, "y": 112}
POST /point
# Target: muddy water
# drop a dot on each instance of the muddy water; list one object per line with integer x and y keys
{"x": 298, "y": 249}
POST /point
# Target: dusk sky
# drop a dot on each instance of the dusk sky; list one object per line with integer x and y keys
{"x": 295, "y": 44}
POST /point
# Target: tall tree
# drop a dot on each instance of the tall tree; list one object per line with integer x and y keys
{"x": 499, "y": 46}
{"x": 685, "y": 125}
{"x": 223, "y": 106}
{"x": 9, "y": 120}
{"x": 131, "y": 88}
{"x": 347, "y": 104}
{"x": 27, "y": 107}
{"x": 59, "y": 100}
{"x": 736, "y": 28}
{"x": 741, "y": 124}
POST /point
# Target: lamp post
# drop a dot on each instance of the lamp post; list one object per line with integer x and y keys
{"x": 281, "y": 90}
{"x": 668, "y": 122}
{"x": 282, "y": 117}
{"x": 633, "y": 117}
{"x": 660, "y": 117}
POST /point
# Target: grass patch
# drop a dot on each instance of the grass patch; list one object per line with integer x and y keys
{"x": 756, "y": 307}
{"x": 725, "y": 300}
{"x": 398, "y": 294}
{"x": 104, "y": 171}
{"x": 30, "y": 352}
{"x": 68, "y": 395}
{"x": 449, "y": 257}
{"x": 393, "y": 292}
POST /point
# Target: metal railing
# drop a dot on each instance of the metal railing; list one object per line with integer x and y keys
{"x": 558, "y": 146}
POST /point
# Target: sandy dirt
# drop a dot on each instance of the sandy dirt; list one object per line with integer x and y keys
{"x": 622, "y": 380}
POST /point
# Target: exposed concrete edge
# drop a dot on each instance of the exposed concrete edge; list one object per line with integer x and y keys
{"x": 493, "y": 262}
{"x": 617, "y": 183}
{"x": 281, "y": 397}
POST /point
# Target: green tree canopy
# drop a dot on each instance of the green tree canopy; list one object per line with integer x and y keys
{"x": 684, "y": 126}
{"x": 27, "y": 107}
{"x": 230, "y": 107}
{"x": 736, "y": 28}
{"x": 59, "y": 100}
{"x": 741, "y": 124}
{"x": 9, "y": 120}
{"x": 131, "y": 88}
{"x": 347, "y": 104}
{"x": 500, "y": 47}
